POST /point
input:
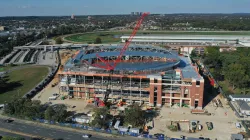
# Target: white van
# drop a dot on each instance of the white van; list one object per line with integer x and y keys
{"x": 238, "y": 125}
{"x": 52, "y": 98}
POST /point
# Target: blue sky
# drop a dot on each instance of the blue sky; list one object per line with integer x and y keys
{"x": 93, "y": 7}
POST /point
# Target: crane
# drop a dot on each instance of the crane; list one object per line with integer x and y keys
{"x": 111, "y": 66}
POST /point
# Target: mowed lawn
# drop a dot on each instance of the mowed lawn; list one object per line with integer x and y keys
{"x": 106, "y": 37}
{"x": 114, "y": 37}
{"x": 23, "y": 80}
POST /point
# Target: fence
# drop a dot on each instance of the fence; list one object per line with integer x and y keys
{"x": 85, "y": 127}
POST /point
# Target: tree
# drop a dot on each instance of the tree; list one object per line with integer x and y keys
{"x": 135, "y": 116}
{"x": 101, "y": 116}
{"x": 56, "y": 113}
{"x": 98, "y": 40}
{"x": 212, "y": 56}
{"x": 193, "y": 53}
{"x": 59, "y": 40}
{"x": 236, "y": 75}
{"x": 24, "y": 108}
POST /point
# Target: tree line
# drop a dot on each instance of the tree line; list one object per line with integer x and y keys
{"x": 231, "y": 66}
{"x": 27, "y": 108}
{"x": 30, "y": 109}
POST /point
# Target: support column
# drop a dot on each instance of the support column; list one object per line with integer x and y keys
{"x": 201, "y": 94}
{"x": 85, "y": 88}
{"x": 140, "y": 92}
{"x": 102, "y": 87}
{"x": 159, "y": 92}
{"x": 151, "y": 93}
{"x": 192, "y": 94}
{"x": 170, "y": 93}
{"x": 130, "y": 91}
{"x": 45, "y": 47}
{"x": 78, "y": 92}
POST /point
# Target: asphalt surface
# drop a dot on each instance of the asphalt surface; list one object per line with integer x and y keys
{"x": 2, "y": 133}
{"x": 29, "y": 130}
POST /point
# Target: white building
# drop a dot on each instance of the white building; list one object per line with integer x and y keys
{"x": 240, "y": 97}
{"x": 189, "y": 40}
{"x": 243, "y": 107}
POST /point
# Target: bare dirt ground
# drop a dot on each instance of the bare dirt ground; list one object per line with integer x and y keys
{"x": 80, "y": 105}
{"x": 224, "y": 124}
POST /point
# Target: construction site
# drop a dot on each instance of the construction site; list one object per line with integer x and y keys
{"x": 148, "y": 75}
{"x": 145, "y": 74}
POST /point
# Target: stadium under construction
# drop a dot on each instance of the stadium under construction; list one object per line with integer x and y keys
{"x": 145, "y": 74}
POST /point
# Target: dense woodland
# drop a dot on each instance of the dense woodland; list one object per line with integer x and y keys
{"x": 230, "y": 66}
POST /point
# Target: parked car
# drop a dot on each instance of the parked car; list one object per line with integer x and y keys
{"x": 238, "y": 125}
{"x": 9, "y": 120}
{"x": 183, "y": 137}
{"x": 159, "y": 135}
{"x": 86, "y": 136}
{"x": 55, "y": 94}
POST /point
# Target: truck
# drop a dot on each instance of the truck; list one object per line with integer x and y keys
{"x": 52, "y": 98}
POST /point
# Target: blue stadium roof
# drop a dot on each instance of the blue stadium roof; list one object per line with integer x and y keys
{"x": 130, "y": 53}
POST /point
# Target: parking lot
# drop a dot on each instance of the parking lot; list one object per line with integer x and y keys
{"x": 223, "y": 120}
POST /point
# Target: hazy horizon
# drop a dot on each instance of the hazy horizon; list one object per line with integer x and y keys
{"x": 117, "y": 7}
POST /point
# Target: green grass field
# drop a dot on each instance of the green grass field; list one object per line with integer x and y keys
{"x": 108, "y": 37}
{"x": 2, "y": 68}
{"x": 23, "y": 80}
{"x": 90, "y": 37}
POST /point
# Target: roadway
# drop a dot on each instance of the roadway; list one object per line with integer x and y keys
{"x": 29, "y": 131}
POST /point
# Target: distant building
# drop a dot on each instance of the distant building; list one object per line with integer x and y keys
{"x": 132, "y": 13}
{"x": 240, "y": 97}
{"x": 243, "y": 107}
{"x": 89, "y": 17}
{"x": 72, "y": 16}
{"x": 137, "y": 13}
{"x": 1, "y": 28}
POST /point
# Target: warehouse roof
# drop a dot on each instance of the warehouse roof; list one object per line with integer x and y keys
{"x": 242, "y": 105}
{"x": 192, "y": 37}
{"x": 237, "y": 137}
{"x": 239, "y": 96}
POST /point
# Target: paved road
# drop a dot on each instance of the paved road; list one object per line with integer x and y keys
{"x": 3, "y": 133}
{"x": 29, "y": 130}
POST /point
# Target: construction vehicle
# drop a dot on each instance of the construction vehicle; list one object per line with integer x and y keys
{"x": 111, "y": 66}
{"x": 209, "y": 125}
{"x": 121, "y": 103}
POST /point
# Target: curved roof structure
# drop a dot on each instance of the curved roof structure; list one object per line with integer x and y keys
{"x": 160, "y": 58}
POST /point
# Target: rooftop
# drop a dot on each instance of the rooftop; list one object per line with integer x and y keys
{"x": 239, "y": 96}
{"x": 242, "y": 105}
{"x": 237, "y": 137}
{"x": 188, "y": 71}
{"x": 195, "y": 37}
